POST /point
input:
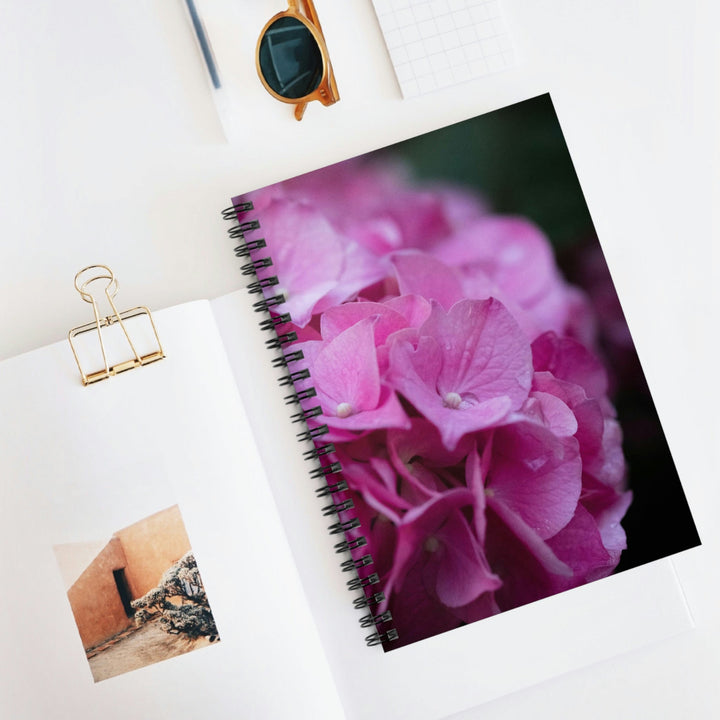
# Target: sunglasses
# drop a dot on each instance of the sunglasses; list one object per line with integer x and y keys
{"x": 292, "y": 58}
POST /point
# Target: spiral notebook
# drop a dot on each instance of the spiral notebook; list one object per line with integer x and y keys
{"x": 194, "y": 537}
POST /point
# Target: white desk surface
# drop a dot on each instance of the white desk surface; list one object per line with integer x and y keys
{"x": 112, "y": 152}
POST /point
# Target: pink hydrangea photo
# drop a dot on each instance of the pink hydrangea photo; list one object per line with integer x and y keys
{"x": 471, "y": 365}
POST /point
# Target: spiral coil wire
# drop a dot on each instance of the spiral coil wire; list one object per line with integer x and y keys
{"x": 323, "y": 453}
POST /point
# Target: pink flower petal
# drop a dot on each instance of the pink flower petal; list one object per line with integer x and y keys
{"x": 483, "y": 607}
{"x": 453, "y": 557}
{"x": 307, "y": 256}
{"x": 416, "y": 611}
{"x": 414, "y": 308}
{"x": 380, "y": 235}
{"x": 346, "y": 372}
{"x": 388, "y": 414}
{"x": 611, "y": 531}
{"x": 535, "y": 475}
{"x": 341, "y": 317}
{"x": 485, "y": 355}
{"x": 423, "y": 441}
{"x": 552, "y": 412}
{"x": 470, "y": 368}
{"x": 364, "y": 479}
{"x": 509, "y": 258}
{"x": 505, "y": 248}
{"x": 416, "y": 453}
{"x": 421, "y": 274}
{"x": 359, "y": 270}
{"x": 530, "y": 539}
{"x": 476, "y": 482}
{"x": 580, "y": 546}
{"x": 462, "y": 572}
{"x": 568, "y": 360}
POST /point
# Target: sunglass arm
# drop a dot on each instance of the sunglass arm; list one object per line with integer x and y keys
{"x": 310, "y": 12}
{"x": 300, "y": 110}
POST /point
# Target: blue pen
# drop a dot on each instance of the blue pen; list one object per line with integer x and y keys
{"x": 204, "y": 43}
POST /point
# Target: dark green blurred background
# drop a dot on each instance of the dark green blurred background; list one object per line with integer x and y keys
{"x": 517, "y": 158}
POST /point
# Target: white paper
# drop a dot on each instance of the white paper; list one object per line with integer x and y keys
{"x": 76, "y": 464}
{"x": 434, "y": 44}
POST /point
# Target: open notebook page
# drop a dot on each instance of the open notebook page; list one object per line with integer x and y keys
{"x": 81, "y": 467}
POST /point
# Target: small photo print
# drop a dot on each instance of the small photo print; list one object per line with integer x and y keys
{"x": 137, "y": 597}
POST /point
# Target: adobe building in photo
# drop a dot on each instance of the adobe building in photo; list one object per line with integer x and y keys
{"x": 102, "y": 578}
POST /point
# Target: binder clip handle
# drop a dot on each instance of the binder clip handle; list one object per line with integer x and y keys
{"x": 83, "y": 279}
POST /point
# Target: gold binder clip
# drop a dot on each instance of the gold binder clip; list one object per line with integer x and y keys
{"x": 102, "y": 272}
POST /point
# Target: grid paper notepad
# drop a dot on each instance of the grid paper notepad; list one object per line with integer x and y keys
{"x": 437, "y": 43}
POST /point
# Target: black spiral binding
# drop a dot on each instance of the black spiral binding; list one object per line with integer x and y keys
{"x": 321, "y": 454}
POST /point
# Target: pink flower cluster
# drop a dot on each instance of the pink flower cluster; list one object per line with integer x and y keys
{"x": 451, "y": 363}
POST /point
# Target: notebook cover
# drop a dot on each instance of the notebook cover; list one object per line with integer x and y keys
{"x": 474, "y": 369}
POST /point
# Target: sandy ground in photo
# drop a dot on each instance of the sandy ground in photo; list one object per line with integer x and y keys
{"x": 149, "y": 644}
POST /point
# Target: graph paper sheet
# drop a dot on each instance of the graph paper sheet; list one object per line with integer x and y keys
{"x": 437, "y": 43}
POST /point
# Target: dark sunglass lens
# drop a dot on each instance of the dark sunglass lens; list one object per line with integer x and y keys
{"x": 290, "y": 59}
